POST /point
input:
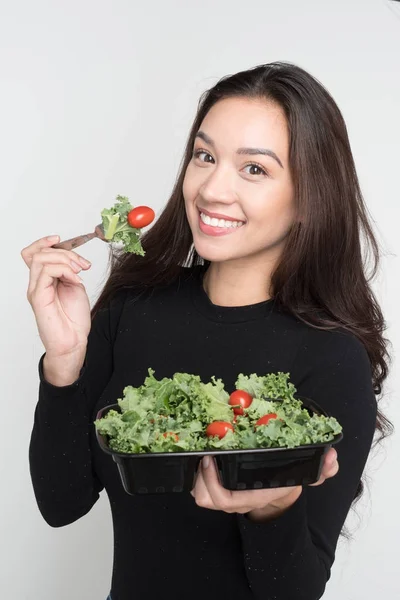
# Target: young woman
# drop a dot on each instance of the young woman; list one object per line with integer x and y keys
{"x": 254, "y": 266}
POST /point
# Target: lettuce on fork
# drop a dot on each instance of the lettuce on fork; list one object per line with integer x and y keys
{"x": 117, "y": 228}
{"x": 172, "y": 415}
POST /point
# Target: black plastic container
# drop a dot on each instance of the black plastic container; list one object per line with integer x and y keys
{"x": 259, "y": 468}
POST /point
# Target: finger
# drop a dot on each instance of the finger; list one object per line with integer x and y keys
{"x": 320, "y": 481}
{"x": 40, "y": 259}
{"x": 47, "y": 277}
{"x": 28, "y": 252}
{"x": 201, "y": 494}
{"x": 51, "y": 255}
{"x": 74, "y": 256}
{"x": 198, "y": 472}
{"x": 329, "y": 470}
{"x": 221, "y": 497}
{"x": 333, "y": 470}
{"x": 331, "y": 464}
{"x": 329, "y": 461}
{"x": 330, "y": 456}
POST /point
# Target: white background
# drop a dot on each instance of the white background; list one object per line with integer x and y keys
{"x": 96, "y": 99}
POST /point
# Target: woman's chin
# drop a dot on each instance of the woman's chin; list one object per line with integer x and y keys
{"x": 207, "y": 252}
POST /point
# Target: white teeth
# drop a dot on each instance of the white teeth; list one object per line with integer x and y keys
{"x": 214, "y": 222}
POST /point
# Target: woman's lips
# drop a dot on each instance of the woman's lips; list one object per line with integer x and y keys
{"x": 215, "y": 231}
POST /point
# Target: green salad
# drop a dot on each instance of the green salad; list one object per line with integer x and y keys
{"x": 184, "y": 414}
{"x": 122, "y": 223}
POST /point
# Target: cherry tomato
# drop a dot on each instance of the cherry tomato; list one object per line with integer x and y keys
{"x": 218, "y": 428}
{"x": 140, "y": 216}
{"x": 265, "y": 419}
{"x": 171, "y": 433}
{"x": 242, "y": 398}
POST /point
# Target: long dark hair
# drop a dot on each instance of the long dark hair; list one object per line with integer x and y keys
{"x": 322, "y": 277}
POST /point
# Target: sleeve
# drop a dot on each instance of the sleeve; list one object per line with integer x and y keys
{"x": 64, "y": 482}
{"x": 299, "y": 547}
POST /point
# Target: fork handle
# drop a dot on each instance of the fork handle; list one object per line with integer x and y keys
{"x": 75, "y": 242}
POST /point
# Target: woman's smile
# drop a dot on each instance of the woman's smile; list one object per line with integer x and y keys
{"x": 215, "y": 227}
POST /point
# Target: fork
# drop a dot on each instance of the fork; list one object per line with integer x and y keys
{"x": 82, "y": 239}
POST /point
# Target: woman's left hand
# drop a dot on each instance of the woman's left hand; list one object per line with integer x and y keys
{"x": 260, "y": 505}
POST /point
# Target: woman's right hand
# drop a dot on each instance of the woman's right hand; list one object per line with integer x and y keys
{"x": 58, "y": 298}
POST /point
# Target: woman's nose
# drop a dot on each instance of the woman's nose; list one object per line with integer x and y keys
{"x": 218, "y": 187}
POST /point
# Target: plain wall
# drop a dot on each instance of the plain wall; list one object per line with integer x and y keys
{"x": 96, "y": 99}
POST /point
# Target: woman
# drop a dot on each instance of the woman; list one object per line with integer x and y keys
{"x": 254, "y": 266}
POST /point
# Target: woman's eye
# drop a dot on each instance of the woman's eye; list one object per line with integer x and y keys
{"x": 197, "y": 153}
{"x": 262, "y": 171}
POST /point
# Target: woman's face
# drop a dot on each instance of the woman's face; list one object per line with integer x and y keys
{"x": 221, "y": 180}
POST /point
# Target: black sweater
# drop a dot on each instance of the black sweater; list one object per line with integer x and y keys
{"x": 165, "y": 545}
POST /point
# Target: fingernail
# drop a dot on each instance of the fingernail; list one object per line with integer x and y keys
{"x": 206, "y": 462}
{"x": 53, "y": 238}
{"x": 84, "y": 262}
{"x": 75, "y": 266}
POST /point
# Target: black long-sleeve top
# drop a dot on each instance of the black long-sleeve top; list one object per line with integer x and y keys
{"x": 165, "y": 545}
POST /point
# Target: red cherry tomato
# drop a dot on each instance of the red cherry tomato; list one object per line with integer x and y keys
{"x": 218, "y": 428}
{"x": 171, "y": 433}
{"x": 242, "y": 398}
{"x": 140, "y": 216}
{"x": 265, "y": 419}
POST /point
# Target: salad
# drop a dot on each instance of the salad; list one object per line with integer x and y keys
{"x": 122, "y": 223}
{"x": 184, "y": 414}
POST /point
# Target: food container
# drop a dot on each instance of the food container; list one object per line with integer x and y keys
{"x": 259, "y": 468}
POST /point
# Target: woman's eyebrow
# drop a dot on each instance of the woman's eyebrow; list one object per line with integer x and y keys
{"x": 251, "y": 151}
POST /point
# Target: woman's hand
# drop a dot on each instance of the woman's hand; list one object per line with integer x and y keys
{"x": 58, "y": 298}
{"x": 260, "y": 505}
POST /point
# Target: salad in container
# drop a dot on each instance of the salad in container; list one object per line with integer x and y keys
{"x": 262, "y": 435}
